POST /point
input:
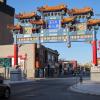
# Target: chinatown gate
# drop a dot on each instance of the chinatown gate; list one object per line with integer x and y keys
{"x": 52, "y": 24}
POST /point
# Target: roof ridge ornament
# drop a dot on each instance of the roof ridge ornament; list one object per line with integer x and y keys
{"x": 82, "y": 11}
{"x": 25, "y": 15}
{"x": 47, "y": 8}
{"x": 93, "y": 22}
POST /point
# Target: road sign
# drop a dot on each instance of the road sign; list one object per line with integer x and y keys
{"x": 54, "y": 24}
{"x": 1, "y": 61}
{"x": 5, "y": 62}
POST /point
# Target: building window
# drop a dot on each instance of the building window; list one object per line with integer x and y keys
{"x": 49, "y": 57}
{"x": 52, "y": 57}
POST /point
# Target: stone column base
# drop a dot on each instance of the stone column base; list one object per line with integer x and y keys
{"x": 30, "y": 73}
{"x": 95, "y": 73}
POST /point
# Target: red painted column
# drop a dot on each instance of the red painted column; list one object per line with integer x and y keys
{"x": 15, "y": 54}
{"x": 94, "y": 47}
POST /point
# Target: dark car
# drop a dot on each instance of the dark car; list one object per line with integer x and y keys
{"x": 4, "y": 89}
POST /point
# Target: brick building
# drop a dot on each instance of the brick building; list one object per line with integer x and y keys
{"x": 30, "y": 57}
{"x": 6, "y": 17}
{"x": 48, "y": 56}
{"x": 69, "y": 66}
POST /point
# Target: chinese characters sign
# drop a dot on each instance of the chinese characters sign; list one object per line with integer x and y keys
{"x": 53, "y": 24}
{"x": 81, "y": 27}
{"x": 28, "y": 30}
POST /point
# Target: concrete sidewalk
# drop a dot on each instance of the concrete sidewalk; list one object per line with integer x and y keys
{"x": 87, "y": 86}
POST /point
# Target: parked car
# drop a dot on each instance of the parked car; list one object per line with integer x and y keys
{"x": 4, "y": 89}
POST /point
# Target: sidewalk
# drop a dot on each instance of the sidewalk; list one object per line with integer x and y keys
{"x": 88, "y": 87}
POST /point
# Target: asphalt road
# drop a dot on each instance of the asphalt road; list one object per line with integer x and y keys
{"x": 48, "y": 89}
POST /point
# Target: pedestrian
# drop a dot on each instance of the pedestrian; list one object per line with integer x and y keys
{"x": 65, "y": 69}
{"x": 1, "y": 79}
{"x": 48, "y": 67}
{"x": 18, "y": 67}
{"x": 41, "y": 73}
{"x": 81, "y": 75}
{"x": 60, "y": 69}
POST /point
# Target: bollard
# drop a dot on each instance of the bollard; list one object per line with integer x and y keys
{"x": 81, "y": 79}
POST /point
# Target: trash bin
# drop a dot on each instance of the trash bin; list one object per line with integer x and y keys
{"x": 15, "y": 75}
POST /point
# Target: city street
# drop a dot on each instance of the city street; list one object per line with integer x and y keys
{"x": 48, "y": 89}
{"x": 50, "y": 49}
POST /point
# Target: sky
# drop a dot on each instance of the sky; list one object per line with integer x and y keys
{"x": 82, "y": 52}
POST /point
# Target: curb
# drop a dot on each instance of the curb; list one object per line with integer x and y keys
{"x": 18, "y": 82}
{"x": 22, "y": 81}
{"x": 75, "y": 88}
